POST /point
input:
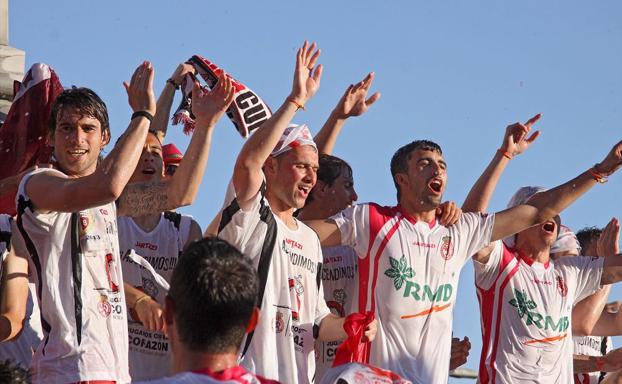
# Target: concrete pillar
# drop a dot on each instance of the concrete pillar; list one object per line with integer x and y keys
{"x": 12, "y": 62}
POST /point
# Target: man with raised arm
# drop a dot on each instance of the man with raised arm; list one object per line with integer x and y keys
{"x": 160, "y": 238}
{"x": 71, "y": 235}
{"x": 273, "y": 175}
{"x": 526, "y": 299}
{"x": 410, "y": 264}
{"x": 211, "y": 305}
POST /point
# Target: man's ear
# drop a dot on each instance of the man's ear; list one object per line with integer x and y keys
{"x": 271, "y": 165}
{"x": 252, "y": 323}
{"x": 169, "y": 311}
{"x": 401, "y": 179}
{"x": 320, "y": 189}
{"x": 105, "y": 137}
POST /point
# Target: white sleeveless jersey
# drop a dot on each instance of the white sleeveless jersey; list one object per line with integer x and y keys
{"x": 20, "y": 349}
{"x": 289, "y": 264}
{"x": 590, "y": 346}
{"x": 149, "y": 352}
{"x": 408, "y": 275}
{"x": 74, "y": 261}
{"x": 526, "y": 311}
{"x": 340, "y": 281}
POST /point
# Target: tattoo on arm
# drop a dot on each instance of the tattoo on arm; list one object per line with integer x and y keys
{"x": 144, "y": 198}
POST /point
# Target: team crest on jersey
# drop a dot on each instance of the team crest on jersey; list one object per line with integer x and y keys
{"x": 103, "y": 307}
{"x": 86, "y": 222}
{"x": 296, "y": 286}
{"x": 561, "y": 286}
{"x": 278, "y": 325}
{"x": 111, "y": 273}
{"x": 447, "y": 248}
{"x": 339, "y": 300}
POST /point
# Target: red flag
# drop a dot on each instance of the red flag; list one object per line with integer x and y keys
{"x": 354, "y": 349}
{"x": 23, "y": 136}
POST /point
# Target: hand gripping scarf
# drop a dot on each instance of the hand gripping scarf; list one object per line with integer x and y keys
{"x": 247, "y": 111}
{"x": 23, "y": 136}
{"x": 353, "y": 348}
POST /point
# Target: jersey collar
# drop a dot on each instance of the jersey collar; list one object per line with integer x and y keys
{"x": 409, "y": 217}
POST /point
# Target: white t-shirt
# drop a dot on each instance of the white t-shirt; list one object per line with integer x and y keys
{"x": 355, "y": 373}
{"x": 20, "y": 349}
{"x": 235, "y": 375}
{"x": 590, "y": 346}
{"x": 526, "y": 310}
{"x": 408, "y": 275}
{"x": 149, "y": 352}
{"x": 74, "y": 261}
{"x": 292, "y": 305}
{"x": 340, "y": 280}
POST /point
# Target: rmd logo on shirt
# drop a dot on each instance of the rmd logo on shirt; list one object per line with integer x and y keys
{"x": 401, "y": 273}
{"x": 525, "y": 308}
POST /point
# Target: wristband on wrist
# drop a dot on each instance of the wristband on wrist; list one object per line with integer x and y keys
{"x": 142, "y": 298}
{"x": 505, "y": 154}
{"x": 173, "y": 83}
{"x": 599, "y": 177}
{"x": 144, "y": 114}
{"x": 297, "y": 104}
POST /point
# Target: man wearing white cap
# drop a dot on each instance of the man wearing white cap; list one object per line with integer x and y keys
{"x": 273, "y": 175}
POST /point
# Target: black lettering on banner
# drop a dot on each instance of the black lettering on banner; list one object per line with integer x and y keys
{"x": 255, "y": 114}
{"x": 241, "y": 100}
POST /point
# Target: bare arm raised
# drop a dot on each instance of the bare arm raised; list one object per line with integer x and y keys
{"x": 546, "y": 205}
{"x": 143, "y": 198}
{"x": 78, "y": 140}
{"x": 354, "y": 102}
{"x": 247, "y": 174}
{"x": 165, "y": 101}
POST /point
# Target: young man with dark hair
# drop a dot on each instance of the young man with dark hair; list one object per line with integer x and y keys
{"x": 71, "y": 235}
{"x": 588, "y": 239}
{"x": 410, "y": 264}
{"x": 211, "y": 305}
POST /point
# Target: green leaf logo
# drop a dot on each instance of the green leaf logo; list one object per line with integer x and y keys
{"x": 522, "y": 303}
{"x": 399, "y": 271}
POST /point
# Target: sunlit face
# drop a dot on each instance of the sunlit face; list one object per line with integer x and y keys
{"x": 150, "y": 166}
{"x": 425, "y": 179}
{"x": 341, "y": 194}
{"x": 78, "y": 140}
{"x": 292, "y": 175}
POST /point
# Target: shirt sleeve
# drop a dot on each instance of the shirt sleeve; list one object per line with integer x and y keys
{"x": 353, "y": 224}
{"x": 237, "y": 225}
{"x": 474, "y": 231}
{"x": 486, "y": 274}
{"x": 586, "y": 271}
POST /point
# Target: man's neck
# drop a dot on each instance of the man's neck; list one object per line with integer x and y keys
{"x": 148, "y": 222}
{"x": 313, "y": 211}
{"x": 418, "y": 212}
{"x": 539, "y": 253}
{"x": 186, "y": 360}
{"x": 282, "y": 211}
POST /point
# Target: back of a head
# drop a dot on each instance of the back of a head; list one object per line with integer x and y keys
{"x": 399, "y": 161}
{"x": 214, "y": 293}
{"x": 11, "y": 372}
{"x": 84, "y": 100}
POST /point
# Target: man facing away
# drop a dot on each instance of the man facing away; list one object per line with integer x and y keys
{"x": 211, "y": 305}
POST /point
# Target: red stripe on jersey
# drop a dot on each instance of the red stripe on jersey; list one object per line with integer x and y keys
{"x": 486, "y": 299}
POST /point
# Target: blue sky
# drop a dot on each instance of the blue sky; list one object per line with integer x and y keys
{"x": 455, "y": 72}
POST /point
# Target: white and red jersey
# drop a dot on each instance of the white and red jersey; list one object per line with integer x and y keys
{"x": 20, "y": 350}
{"x": 149, "y": 351}
{"x": 235, "y": 375}
{"x": 408, "y": 275}
{"x": 340, "y": 280}
{"x": 74, "y": 261}
{"x": 289, "y": 263}
{"x": 526, "y": 310}
{"x": 590, "y": 346}
{"x": 356, "y": 373}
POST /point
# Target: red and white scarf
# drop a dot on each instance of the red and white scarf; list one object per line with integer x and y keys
{"x": 247, "y": 111}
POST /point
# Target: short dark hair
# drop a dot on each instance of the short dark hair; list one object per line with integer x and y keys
{"x": 84, "y": 100}
{"x": 214, "y": 293}
{"x": 13, "y": 373}
{"x": 330, "y": 169}
{"x": 399, "y": 161}
{"x": 587, "y": 236}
